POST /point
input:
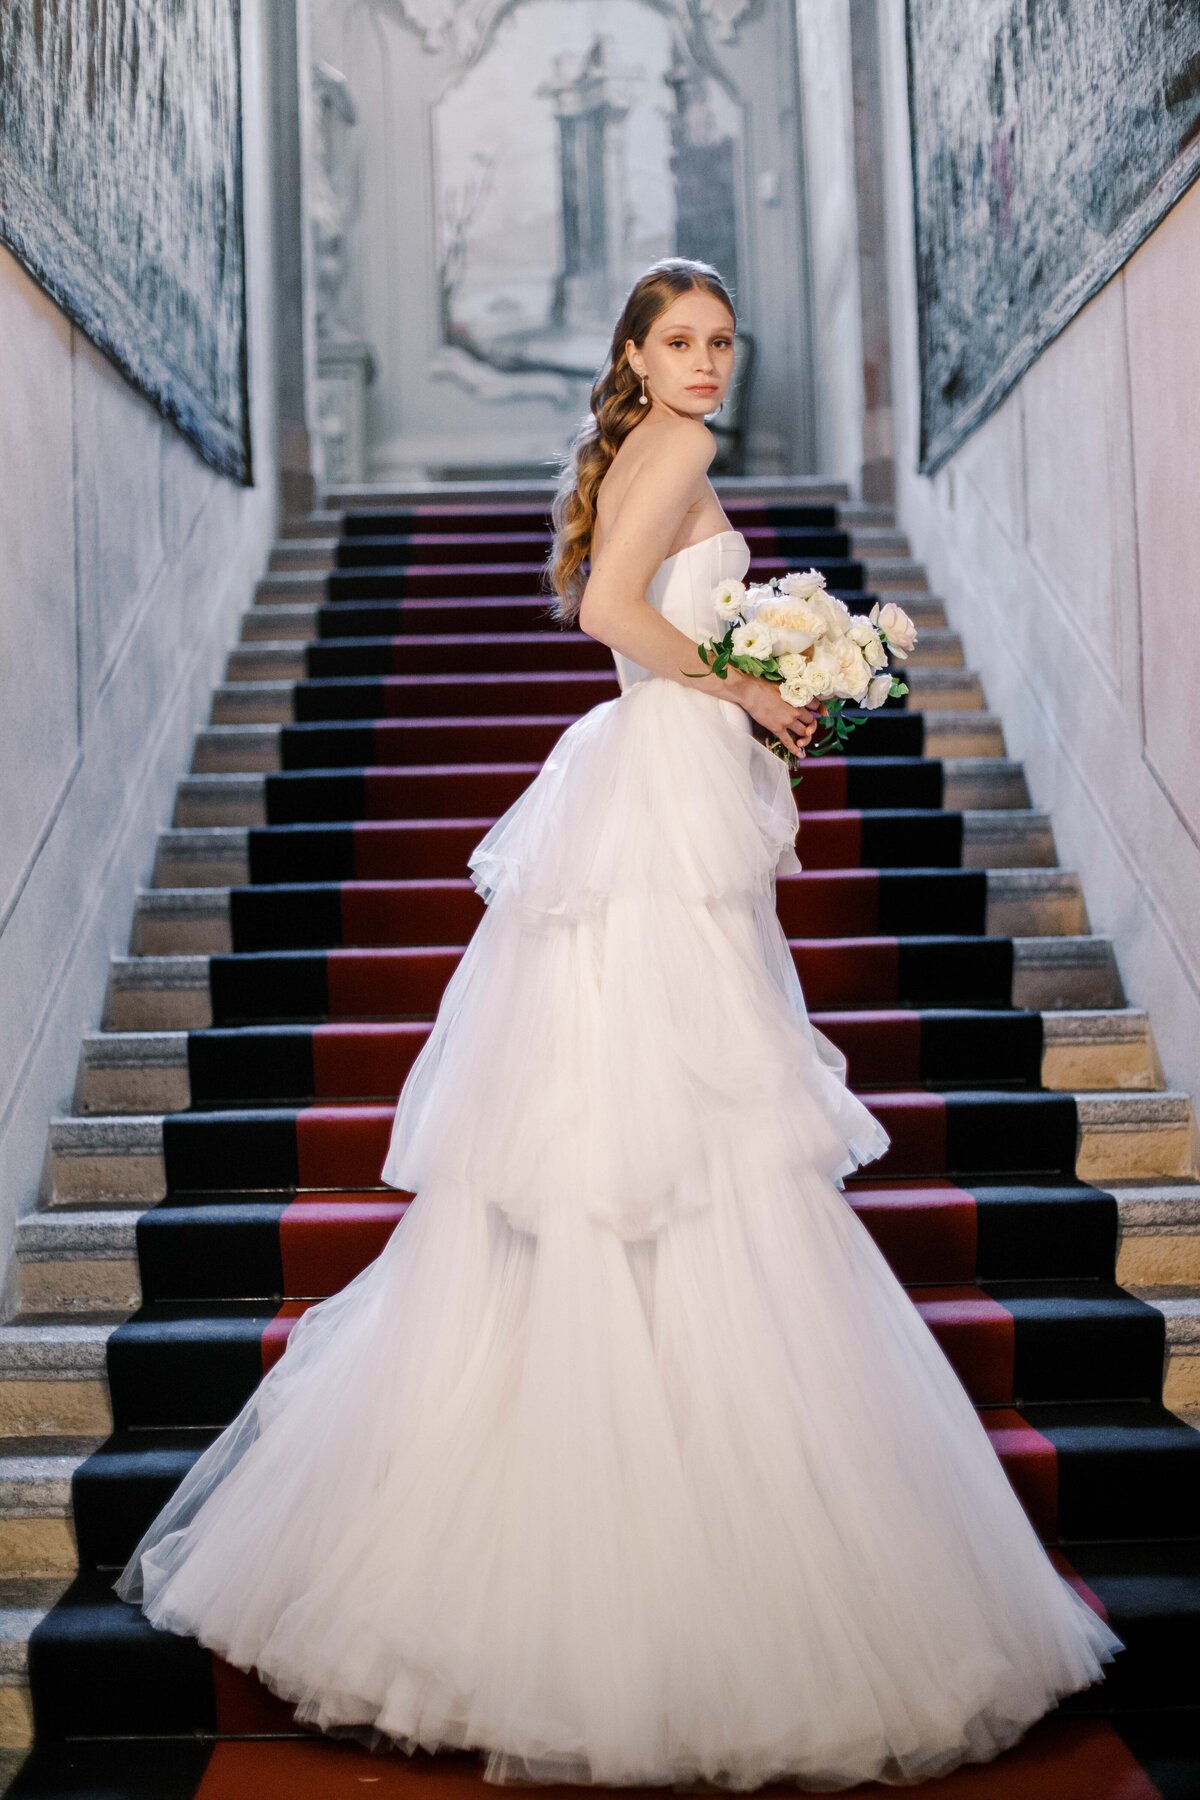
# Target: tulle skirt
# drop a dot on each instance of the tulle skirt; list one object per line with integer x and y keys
{"x": 628, "y": 1460}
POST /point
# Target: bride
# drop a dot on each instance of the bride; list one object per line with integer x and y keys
{"x": 629, "y": 1460}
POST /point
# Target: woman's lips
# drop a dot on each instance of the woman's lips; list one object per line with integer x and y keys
{"x": 705, "y": 387}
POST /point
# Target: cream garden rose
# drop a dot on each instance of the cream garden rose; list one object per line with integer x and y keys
{"x": 897, "y": 628}
{"x": 791, "y": 662}
{"x": 802, "y": 587}
{"x": 864, "y": 634}
{"x": 797, "y": 690}
{"x": 791, "y": 627}
{"x": 852, "y": 674}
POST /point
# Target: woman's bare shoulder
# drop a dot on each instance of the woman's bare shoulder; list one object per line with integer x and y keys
{"x": 675, "y": 450}
{"x": 678, "y": 441}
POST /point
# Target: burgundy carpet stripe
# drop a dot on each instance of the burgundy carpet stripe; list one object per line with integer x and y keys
{"x": 976, "y": 1333}
{"x": 363, "y": 1058}
{"x": 847, "y": 971}
{"x": 1031, "y": 1463}
{"x": 432, "y": 696}
{"x": 325, "y": 1243}
{"x": 379, "y": 983}
{"x": 882, "y": 1049}
{"x": 426, "y": 912}
{"x": 825, "y": 905}
{"x": 916, "y": 1124}
{"x": 927, "y": 1229}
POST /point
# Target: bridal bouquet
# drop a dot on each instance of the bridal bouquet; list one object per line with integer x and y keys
{"x": 793, "y": 631}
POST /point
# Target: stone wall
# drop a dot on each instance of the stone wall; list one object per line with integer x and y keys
{"x": 1065, "y": 536}
{"x": 126, "y": 561}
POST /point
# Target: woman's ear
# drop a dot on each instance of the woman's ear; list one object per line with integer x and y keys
{"x": 630, "y": 353}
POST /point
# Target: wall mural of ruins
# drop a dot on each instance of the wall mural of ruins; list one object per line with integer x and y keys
{"x": 493, "y": 175}
{"x": 560, "y": 176}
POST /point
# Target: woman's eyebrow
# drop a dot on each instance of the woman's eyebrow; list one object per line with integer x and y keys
{"x": 690, "y": 331}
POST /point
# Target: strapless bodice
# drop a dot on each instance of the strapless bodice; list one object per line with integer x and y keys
{"x": 681, "y": 590}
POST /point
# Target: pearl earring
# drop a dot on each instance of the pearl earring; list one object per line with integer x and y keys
{"x": 643, "y": 401}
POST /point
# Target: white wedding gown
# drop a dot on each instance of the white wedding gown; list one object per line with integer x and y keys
{"x": 629, "y": 1460}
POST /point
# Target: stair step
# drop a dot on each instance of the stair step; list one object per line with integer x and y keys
{"x": 53, "y": 1375}
{"x": 1117, "y": 1465}
{"x": 84, "y": 1260}
{"x": 294, "y": 555}
{"x": 103, "y": 1671}
{"x": 37, "y": 1533}
{"x": 274, "y": 634}
{"x": 303, "y": 620}
{"x": 200, "y": 920}
{"x": 1099, "y": 1048}
{"x": 1075, "y": 1341}
{"x": 436, "y": 845}
{"x": 968, "y": 743}
{"x": 1119, "y": 1755}
{"x": 122, "y": 1158}
{"x": 259, "y": 700}
{"x": 173, "y": 993}
{"x": 23, "y": 1606}
{"x": 246, "y": 798}
{"x": 189, "y": 1364}
{"x": 143, "y": 1071}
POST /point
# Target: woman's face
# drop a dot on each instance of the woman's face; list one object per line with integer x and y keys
{"x": 687, "y": 357}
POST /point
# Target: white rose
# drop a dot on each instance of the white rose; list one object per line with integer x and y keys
{"x": 853, "y": 675}
{"x": 729, "y": 600}
{"x": 835, "y": 613}
{"x": 752, "y": 640}
{"x": 877, "y": 692}
{"x": 792, "y": 627}
{"x": 802, "y": 587}
{"x": 761, "y": 594}
{"x": 797, "y": 689}
{"x": 864, "y": 634}
{"x": 897, "y": 628}
{"x": 792, "y": 662}
{"x": 822, "y": 671}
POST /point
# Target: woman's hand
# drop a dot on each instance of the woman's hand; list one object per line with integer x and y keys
{"x": 792, "y": 725}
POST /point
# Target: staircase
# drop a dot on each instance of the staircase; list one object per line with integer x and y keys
{"x": 397, "y": 684}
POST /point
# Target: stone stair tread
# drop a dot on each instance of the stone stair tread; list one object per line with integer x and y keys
{"x": 24, "y": 1603}
{"x": 94, "y": 1231}
{"x": 35, "y": 1474}
{"x": 54, "y": 1343}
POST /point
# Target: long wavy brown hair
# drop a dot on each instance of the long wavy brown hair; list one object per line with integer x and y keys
{"x": 615, "y": 411}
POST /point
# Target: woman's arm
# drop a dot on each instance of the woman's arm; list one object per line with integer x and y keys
{"x": 616, "y": 612}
